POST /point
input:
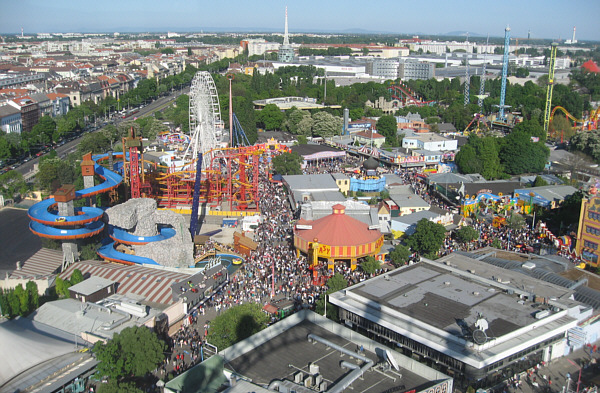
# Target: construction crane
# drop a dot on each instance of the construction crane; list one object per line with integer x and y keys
{"x": 550, "y": 87}
{"x": 504, "y": 72}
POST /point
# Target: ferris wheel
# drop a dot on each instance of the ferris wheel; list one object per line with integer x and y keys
{"x": 206, "y": 126}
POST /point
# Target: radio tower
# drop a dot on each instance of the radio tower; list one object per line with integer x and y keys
{"x": 467, "y": 81}
{"x": 482, "y": 79}
{"x": 286, "y": 39}
{"x": 286, "y": 52}
{"x": 504, "y": 72}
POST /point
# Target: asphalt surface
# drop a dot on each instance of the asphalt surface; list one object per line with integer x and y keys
{"x": 17, "y": 242}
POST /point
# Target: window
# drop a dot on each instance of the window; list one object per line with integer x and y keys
{"x": 588, "y": 244}
{"x": 592, "y": 230}
{"x": 594, "y": 216}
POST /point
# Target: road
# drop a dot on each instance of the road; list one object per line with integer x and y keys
{"x": 27, "y": 169}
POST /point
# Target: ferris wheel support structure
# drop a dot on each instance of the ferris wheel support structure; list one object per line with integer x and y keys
{"x": 206, "y": 127}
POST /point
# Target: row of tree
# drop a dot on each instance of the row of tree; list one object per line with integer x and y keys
{"x": 51, "y": 130}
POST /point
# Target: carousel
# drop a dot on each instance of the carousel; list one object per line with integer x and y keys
{"x": 336, "y": 237}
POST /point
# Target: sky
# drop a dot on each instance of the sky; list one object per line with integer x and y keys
{"x": 551, "y": 19}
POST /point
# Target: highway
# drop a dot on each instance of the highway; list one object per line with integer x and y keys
{"x": 27, "y": 168}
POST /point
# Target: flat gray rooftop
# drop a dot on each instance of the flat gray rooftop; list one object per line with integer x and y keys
{"x": 441, "y": 298}
{"x": 284, "y": 355}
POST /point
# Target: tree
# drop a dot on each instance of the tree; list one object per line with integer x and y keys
{"x": 387, "y": 126}
{"x": 236, "y": 324}
{"x": 133, "y": 352}
{"x": 76, "y": 277}
{"x": 326, "y": 125}
{"x": 299, "y": 122}
{"x": 466, "y": 234}
{"x": 270, "y": 117}
{"x": 427, "y": 238}
{"x": 54, "y": 172}
{"x": 370, "y": 265}
{"x": 515, "y": 221}
{"x": 480, "y": 155}
{"x": 88, "y": 252}
{"x": 539, "y": 182}
{"x": 400, "y": 255}
{"x": 337, "y": 282}
{"x": 62, "y": 287}
{"x": 33, "y": 295}
{"x": 95, "y": 142}
{"x": 522, "y": 72}
{"x": 23, "y": 298}
{"x": 43, "y": 131}
{"x": 287, "y": 164}
{"x": 496, "y": 243}
{"x": 14, "y": 305}
{"x": 519, "y": 154}
{"x": 113, "y": 386}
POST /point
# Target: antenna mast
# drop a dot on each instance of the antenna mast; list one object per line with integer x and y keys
{"x": 504, "y": 71}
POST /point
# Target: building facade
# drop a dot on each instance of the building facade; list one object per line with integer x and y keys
{"x": 476, "y": 328}
{"x": 588, "y": 233}
{"x": 10, "y": 119}
{"x": 414, "y": 69}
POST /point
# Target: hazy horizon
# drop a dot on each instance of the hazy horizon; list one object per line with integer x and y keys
{"x": 553, "y": 20}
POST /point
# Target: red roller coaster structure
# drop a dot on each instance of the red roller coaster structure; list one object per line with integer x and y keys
{"x": 232, "y": 177}
{"x": 403, "y": 94}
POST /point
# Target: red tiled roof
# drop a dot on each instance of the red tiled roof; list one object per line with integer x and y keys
{"x": 369, "y": 134}
{"x": 338, "y": 229}
{"x": 54, "y": 96}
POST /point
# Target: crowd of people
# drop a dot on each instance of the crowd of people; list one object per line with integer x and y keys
{"x": 276, "y": 269}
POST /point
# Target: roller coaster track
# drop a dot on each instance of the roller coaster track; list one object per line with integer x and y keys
{"x": 563, "y": 110}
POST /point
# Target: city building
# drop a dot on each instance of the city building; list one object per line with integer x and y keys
{"x": 30, "y": 112}
{"x": 413, "y": 69}
{"x": 588, "y": 232}
{"x": 369, "y": 138}
{"x": 471, "y": 319}
{"x": 385, "y": 68}
{"x": 429, "y": 141}
{"x": 408, "y": 204}
{"x": 305, "y": 188}
{"x": 306, "y": 352}
{"x": 10, "y": 119}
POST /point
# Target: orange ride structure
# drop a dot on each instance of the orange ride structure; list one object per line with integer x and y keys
{"x": 335, "y": 237}
{"x": 231, "y": 176}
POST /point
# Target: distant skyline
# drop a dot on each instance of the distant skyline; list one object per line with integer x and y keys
{"x": 550, "y": 19}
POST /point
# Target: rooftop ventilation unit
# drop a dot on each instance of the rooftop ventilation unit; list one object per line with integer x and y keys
{"x": 528, "y": 265}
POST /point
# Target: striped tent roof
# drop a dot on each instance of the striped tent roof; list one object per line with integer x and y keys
{"x": 42, "y": 264}
{"x": 153, "y": 284}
